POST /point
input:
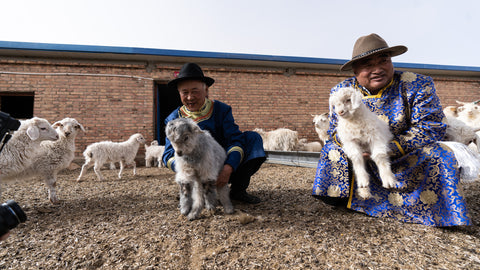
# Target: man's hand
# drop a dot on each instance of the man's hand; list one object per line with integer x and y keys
{"x": 224, "y": 175}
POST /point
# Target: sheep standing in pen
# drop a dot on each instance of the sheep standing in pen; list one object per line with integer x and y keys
{"x": 360, "y": 130}
{"x": 100, "y": 153}
{"x": 54, "y": 156}
{"x": 18, "y": 152}
{"x": 198, "y": 161}
{"x": 282, "y": 139}
{"x": 322, "y": 123}
{"x": 153, "y": 154}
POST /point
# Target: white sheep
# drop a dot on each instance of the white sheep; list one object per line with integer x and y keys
{"x": 198, "y": 161}
{"x": 458, "y": 131}
{"x": 360, "y": 130}
{"x": 24, "y": 144}
{"x": 451, "y": 111}
{"x": 107, "y": 151}
{"x": 54, "y": 156}
{"x": 153, "y": 154}
{"x": 304, "y": 145}
{"x": 282, "y": 139}
{"x": 321, "y": 123}
{"x": 469, "y": 113}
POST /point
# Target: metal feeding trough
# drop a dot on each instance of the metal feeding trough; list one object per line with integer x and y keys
{"x": 294, "y": 158}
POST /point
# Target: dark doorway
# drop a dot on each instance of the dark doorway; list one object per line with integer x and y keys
{"x": 18, "y": 105}
{"x": 167, "y": 101}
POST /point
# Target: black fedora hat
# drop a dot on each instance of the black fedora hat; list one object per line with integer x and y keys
{"x": 190, "y": 71}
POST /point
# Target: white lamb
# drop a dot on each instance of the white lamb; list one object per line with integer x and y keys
{"x": 18, "y": 152}
{"x": 304, "y": 145}
{"x": 451, "y": 111}
{"x": 54, "y": 156}
{"x": 153, "y": 154}
{"x": 469, "y": 113}
{"x": 458, "y": 131}
{"x": 322, "y": 123}
{"x": 282, "y": 139}
{"x": 108, "y": 151}
{"x": 198, "y": 161}
{"x": 360, "y": 130}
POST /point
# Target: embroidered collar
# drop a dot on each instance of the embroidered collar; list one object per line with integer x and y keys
{"x": 367, "y": 93}
{"x": 203, "y": 114}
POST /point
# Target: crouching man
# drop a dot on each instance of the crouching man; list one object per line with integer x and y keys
{"x": 245, "y": 153}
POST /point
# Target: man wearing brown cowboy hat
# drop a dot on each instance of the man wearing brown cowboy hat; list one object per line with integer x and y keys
{"x": 429, "y": 191}
{"x": 245, "y": 153}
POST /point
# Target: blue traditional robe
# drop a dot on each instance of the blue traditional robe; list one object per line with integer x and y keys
{"x": 429, "y": 190}
{"x": 217, "y": 118}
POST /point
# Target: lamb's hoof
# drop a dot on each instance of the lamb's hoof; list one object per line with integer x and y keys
{"x": 364, "y": 193}
{"x": 228, "y": 210}
{"x": 54, "y": 200}
{"x": 191, "y": 217}
{"x": 392, "y": 183}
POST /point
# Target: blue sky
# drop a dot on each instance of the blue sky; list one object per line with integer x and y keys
{"x": 435, "y": 31}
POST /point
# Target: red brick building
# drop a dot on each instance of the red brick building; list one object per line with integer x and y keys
{"x": 117, "y": 91}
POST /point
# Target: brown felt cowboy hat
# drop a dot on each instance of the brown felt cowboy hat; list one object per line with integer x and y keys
{"x": 369, "y": 45}
{"x": 190, "y": 71}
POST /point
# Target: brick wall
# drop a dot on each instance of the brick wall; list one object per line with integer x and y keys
{"x": 114, "y": 100}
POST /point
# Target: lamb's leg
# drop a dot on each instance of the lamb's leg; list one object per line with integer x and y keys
{"x": 381, "y": 158}
{"x": 122, "y": 165}
{"x": 185, "y": 198}
{"x": 210, "y": 195}
{"x": 361, "y": 174}
{"x": 198, "y": 201}
{"x": 224, "y": 197}
{"x": 96, "y": 169}
{"x": 51, "y": 183}
{"x": 84, "y": 169}
{"x": 148, "y": 162}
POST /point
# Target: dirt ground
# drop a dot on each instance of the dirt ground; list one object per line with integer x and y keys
{"x": 134, "y": 223}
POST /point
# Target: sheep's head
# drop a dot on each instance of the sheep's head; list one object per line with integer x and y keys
{"x": 468, "y": 110}
{"x": 450, "y": 111}
{"x": 321, "y": 120}
{"x": 182, "y": 133}
{"x": 68, "y": 127}
{"x": 38, "y": 129}
{"x": 137, "y": 137}
{"x": 345, "y": 101}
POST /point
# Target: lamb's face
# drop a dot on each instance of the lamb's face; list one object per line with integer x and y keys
{"x": 321, "y": 120}
{"x": 68, "y": 127}
{"x": 139, "y": 138}
{"x": 39, "y": 129}
{"x": 182, "y": 133}
{"x": 345, "y": 102}
{"x": 469, "y": 110}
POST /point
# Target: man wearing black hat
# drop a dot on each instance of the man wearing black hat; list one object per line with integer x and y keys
{"x": 245, "y": 153}
{"x": 429, "y": 191}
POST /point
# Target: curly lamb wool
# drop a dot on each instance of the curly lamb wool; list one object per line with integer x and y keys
{"x": 18, "y": 152}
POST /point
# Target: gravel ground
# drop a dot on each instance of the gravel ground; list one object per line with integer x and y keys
{"x": 134, "y": 223}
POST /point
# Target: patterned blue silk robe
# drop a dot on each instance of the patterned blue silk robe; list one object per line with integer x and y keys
{"x": 429, "y": 192}
{"x": 217, "y": 118}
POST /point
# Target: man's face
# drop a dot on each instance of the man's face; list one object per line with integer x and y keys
{"x": 192, "y": 94}
{"x": 374, "y": 72}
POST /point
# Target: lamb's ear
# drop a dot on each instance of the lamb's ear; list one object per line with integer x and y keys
{"x": 197, "y": 129}
{"x": 81, "y": 127}
{"x": 57, "y": 124}
{"x": 460, "y": 102}
{"x": 356, "y": 99}
{"x": 33, "y": 133}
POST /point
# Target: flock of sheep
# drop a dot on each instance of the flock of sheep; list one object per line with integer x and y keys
{"x": 39, "y": 149}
